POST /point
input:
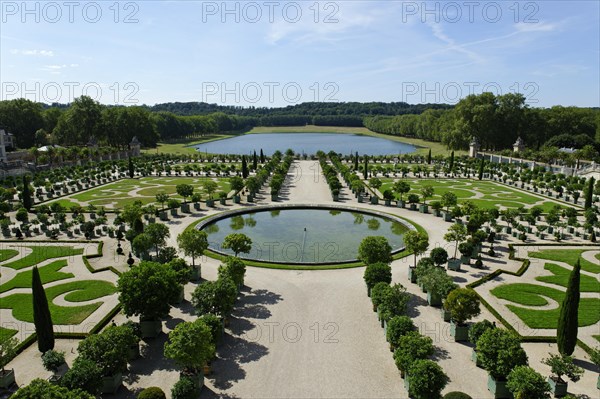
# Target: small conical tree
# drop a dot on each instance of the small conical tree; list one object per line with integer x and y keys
{"x": 41, "y": 314}
{"x": 262, "y": 156}
{"x": 254, "y": 161}
{"x": 589, "y": 193}
{"x": 366, "y": 171}
{"x": 244, "y": 167}
{"x": 27, "y": 200}
{"x": 568, "y": 320}
{"x": 356, "y": 161}
{"x": 131, "y": 168}
{"x": 429, "y": 157}
{"x": 451, "y": 163}
{"x": 481, "y": 165}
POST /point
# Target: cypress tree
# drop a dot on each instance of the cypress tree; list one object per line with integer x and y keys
{"x": 429, "y": 157}
{"x": 356, "y": 161}
{"x": 262, "y": 156}
{"x": 451, "y": 163}
{"x": 131, "y": 168}
{"x": 568, "y": 320}
{"x": 27, "y": 200}
{"x": 254, "y": 161}
{"x": 588, "y": 193}
{"x": 481, "y": 168}
{"x": 41, "y": 314}
{"x": 366, "y": 171}
{"x": 244, "y": 167}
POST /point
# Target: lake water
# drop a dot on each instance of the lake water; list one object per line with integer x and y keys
{"x": 306, "y": 143}
{"x": 305, "y": 235}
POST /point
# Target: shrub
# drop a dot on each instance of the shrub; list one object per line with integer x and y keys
{"x": 376, "y": 273}
{"x": 411, "y": 347}
{"x": 499, "y": 352}
{"x": 477, "y": 329}
{"x": 85, "y": 375}
{"x": 109, "y": 349}
{"x": 39, "y": 388}
{"x": 52, "y": 360}
{"x": 397, "y": 327}
{"x": 190, "y": 345}
{"x": 394, "y": 302}
{"x": 152, "y": 393}
{"x": 525, "y": 382}
{"x": 185, "y": 389}
{"x": 463, "y": 304}
{"x": 563, "y": 365}
{"x": 379, "y": 291}
{"x": 456, "y": 395}
{"x": 426, "y": 379}
{"x": 375, "y": 249}
{"x": 439, "y": 255}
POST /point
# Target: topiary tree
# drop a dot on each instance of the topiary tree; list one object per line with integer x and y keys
{"x": 193, "y": 243}
{"x": 463, "y": 304}
{"x": 238, "y": 243}
{"x": 216, "y": 297}
{"x": 426, "y": 379}
{"x": 8, "y": 350}
{"x": 157, "y": 234}
{"x": 401, "y": 187}
{"x": 42, "y": 318}
{"x": 457, "y": 395}
{"x": 162, "y": 199}
{"x": 379, "y": 292}
{"x": 152, "y": 393}
{"x": 26, "y": 194}
{"x": 439, "y": 256}
{"x": 376, "y": 273}
{"x": 394, "y": 302}
{"x": 147, "y": 290}
{"x": 563, "y": 365}
{"x": 190, "y": 345}
{"x": 84, "y": 374}
{"x": 109, "y": 349}
{"x": 524, "y": 382}
{"x": 373, "y": 249}
{"x": 416, "y": 242}
{"x": 185, "y": 191}
{"x": 449, "y": 199}
{"x": 456, "y": 233}
{"x": 427, "y": 192}
{"x": 477, "y": 330}
{"x": 52, "y": 360}
{"x": 39, "y": 388}
{"x": 411, "y": 347}
{"x": 233, "y": 268}
{"x": 397, "y": 327}
{"x": 185, "y": 388}
{"x": 499, "y": 351}
{"x": 568, "y": 320}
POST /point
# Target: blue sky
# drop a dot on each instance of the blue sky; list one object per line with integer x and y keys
{"x": 276, "y": 53}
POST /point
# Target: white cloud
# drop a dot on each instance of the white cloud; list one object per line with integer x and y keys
{"x": 34, "y": 53}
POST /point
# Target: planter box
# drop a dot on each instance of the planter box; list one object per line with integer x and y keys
{"x": 400, "y": 204}
{"x": 359, "y": 198}
{"x": 434, "y": 299}
{"x": 185, "y": 208}
{"x": 437, "y": 213}
{"x": 163, "y": 216}
{"x": 7, "y": 378}
{"x": 558, "y": 389}
{"x": 223, "y": 201}
{"x": 133, "y": 352}
{"x": 150, "y": 328}
{"x": 412, "y": 276}
{"x": 508, "y": 230}
{"x": 250, "y": 198}
{"x": 424, "y": 208}
{"x": 412, "y": 207}
{"x": 465, "y": 260}
{"x": 454, "y": 264}
{"x": 180, "y": 295}
{"x": 447, "y": 216}
{"x": 197, "y": 206}
{"x": 197, "y": 378}
{"x": 388, "y": 202}
{"x": 210, "y": 203}
{"x": 236, "y": 199}
{"x": 374, "y": 200}
{"x": 274, "y": 197}
{"x": 460, "y": 333}
{"x": 445, "y": 314}
{"x": 498, "y": 389}
{"x": 112, "y": 383}
{"x": 423, "y": 289}
{"x": 196, "y": 273}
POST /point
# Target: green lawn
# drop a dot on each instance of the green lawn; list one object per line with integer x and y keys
{"x": 77, "y": 291}
{"x": 6, "y": 333}
{"x": 48, "y": 274}
{"x": 561, "y": 277}
{"x": 484, "y": 194}
{"x": 6, "y": 254}
{"x": 185, "y": 146}
{"x": 42, "y": 253}
{"x": 597, "y": 337}
{"x": 533, "y": 295}
{"x": 116, "y": 195}
{"x": 568, "y": 256}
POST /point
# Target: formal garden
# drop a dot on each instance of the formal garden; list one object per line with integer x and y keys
{"x": 110, "y": 259}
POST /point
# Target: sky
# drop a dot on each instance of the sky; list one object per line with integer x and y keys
{"x": 279, "y": 53}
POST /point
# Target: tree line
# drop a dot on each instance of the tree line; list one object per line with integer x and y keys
{"x": 496, "y": 121}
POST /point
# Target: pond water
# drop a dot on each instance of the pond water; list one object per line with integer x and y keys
{"x": 305, "y": 235}
{"x": 306, "y": 143}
